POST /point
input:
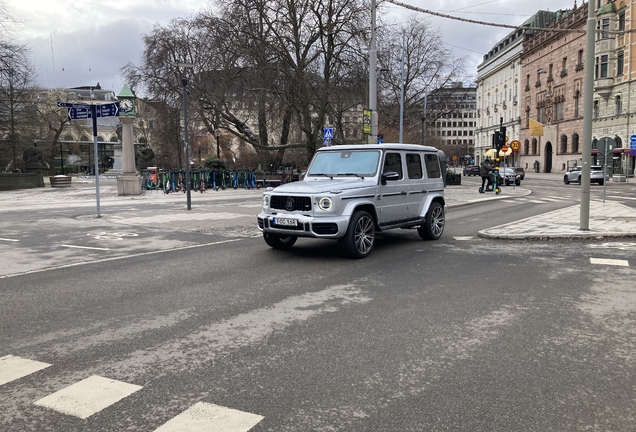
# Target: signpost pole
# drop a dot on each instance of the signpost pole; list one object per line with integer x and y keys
{"x": 95, "y": 156}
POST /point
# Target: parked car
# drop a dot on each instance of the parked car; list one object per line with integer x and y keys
{"x": 351, "y": 192}
{"x": 510, "y": 176}
{"x": 574, "y": 175}
{"x": 471, "y": 170}
{"x": 521, "y": 172}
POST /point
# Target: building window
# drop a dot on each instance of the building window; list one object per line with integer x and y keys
{"x": 579, "y": 61}
{"x": 564, "y": 67}
{"x": 619, "y": 105}
{"x": 527, "y": 117}
{"x": 595, "y": 109}
{"x": 534, "y": 146}
{"x": 541, "y": 115}
{"x": 620, "y": 61}
{"x": 600, "y": 70}
{"x": 526, "y": 146}
{"x": 577, "y": 104}
{"x": 606, "y": 25}
{"x": 559, "y": 110}
{"x": 563, "y": 148}
{"x": 575, "y": 142}
{"x": 621, "y": 20}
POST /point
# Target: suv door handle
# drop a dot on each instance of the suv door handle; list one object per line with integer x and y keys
{"x": 403, "y": 193}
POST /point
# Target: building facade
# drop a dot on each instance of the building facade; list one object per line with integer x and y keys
{"x": 499, "y": 85}
{"x": 614, "y": 87}
{"x": 452, "y": 112}
{"x": 552, "y": 93}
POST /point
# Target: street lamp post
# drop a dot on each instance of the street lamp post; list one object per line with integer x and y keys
{"x": 184, "y": 83}
{"x": 424, "y": 118}
{"x": 217, "y": 132}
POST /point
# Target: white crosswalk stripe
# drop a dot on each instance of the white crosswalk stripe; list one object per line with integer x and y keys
{"x": 203, "y": 417}
{"x": 87, "y": 397}
{"x": 13, "y": 368}
{"x": 95, "y": 393}
{"x": 606, "y": 261}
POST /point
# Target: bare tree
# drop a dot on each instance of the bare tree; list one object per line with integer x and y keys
{"x": 16, "y": 110}
{"x": 427, "y": 66}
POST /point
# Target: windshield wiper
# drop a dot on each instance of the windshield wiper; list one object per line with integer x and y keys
{"x": 349, "y": 174}
{"x": 322, "y": 174}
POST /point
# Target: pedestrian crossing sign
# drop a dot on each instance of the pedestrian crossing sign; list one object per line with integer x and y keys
{"x": 328, "y": 134}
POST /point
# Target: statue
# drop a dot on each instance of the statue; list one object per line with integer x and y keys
{"x": 33, "y": 159}
{"x": 145, "y": 157}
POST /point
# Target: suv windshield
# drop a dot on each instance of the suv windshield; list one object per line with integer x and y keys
{"x": 346, "y": 162}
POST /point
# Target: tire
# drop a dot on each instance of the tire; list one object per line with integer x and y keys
{"x": 600, "y": 183}
{"x": 566, "y": 180}
{"x": 434, "y": 222}
{"x": 579, "y": 180}
{"x": 360, "y": 236}
{"x": 518, "y": 183}
{"x": 279, "y": 242}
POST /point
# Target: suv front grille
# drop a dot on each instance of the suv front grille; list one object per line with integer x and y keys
{"x": 290, "y": 203}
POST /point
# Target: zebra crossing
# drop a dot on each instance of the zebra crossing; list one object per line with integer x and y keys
{"x": 91, "y": 395}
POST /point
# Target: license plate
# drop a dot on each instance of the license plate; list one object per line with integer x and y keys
{"x": 285, "y": 222}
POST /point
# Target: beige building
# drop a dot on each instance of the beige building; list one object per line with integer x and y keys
{"x": 552, "y": 75}
{"x": 614, "y": 86}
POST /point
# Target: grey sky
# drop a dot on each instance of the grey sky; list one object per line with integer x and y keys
{"x": 77, "y": 43}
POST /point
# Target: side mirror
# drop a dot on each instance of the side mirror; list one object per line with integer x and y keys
{"x": 389, "y": 175}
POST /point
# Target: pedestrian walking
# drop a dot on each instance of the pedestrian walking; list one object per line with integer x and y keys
{"x": 484, "y": 171}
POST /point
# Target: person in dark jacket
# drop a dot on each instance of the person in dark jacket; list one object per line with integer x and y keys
{"x": 484, "y": 171}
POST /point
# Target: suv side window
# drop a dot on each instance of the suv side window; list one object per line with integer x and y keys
{"x": 432, "y": 166}
{"x": 393, "y": 162}
{"x": 414, "y": 165}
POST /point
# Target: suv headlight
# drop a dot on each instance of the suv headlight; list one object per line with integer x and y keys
{"x": 325, "y": 203}
{"x": 265, "y": 202}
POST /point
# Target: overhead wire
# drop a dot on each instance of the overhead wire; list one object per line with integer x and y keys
{"x": 508, "y": 26}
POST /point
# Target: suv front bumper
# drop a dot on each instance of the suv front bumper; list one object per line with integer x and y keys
{"x": 306, "y": 226}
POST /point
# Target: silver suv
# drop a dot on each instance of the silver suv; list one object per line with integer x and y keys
{"x": 574, "y": 175}
{"x": 350, "y": 192}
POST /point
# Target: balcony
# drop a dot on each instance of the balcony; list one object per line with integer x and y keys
{"x": 603, "y": 86}
{"x": 564, "y": 73}
{"x": 579, "y": 67}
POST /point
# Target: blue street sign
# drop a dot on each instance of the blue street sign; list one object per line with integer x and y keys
{"x": 632, "y": 140}
{"x": 108, "y": 110}
{"x": 328, "y": 133}
{"x": 71, "y": 105}
{"x": 84, "y": 112}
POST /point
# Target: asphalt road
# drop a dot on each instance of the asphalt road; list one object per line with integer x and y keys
{"x": 178, "y": 323}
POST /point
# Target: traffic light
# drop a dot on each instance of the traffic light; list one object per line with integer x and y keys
{"x": 499, "y": 140}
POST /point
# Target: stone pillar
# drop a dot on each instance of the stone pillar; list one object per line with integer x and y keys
{"x": 128, "y": 183}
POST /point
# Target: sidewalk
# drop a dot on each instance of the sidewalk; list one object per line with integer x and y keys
{"x": 609, "y": 219}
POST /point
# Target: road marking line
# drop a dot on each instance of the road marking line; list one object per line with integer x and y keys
{"x": 11, "y": 240}
{"x": 615, "y": 262}
{"x": 84, "y": 247}
{"x": 202, "y": 417}
{"x": 117, "y": 258}
{"x": 13, "y": 368}
{"x": 464, "y": 238}
{"x": 87, "y": 397}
